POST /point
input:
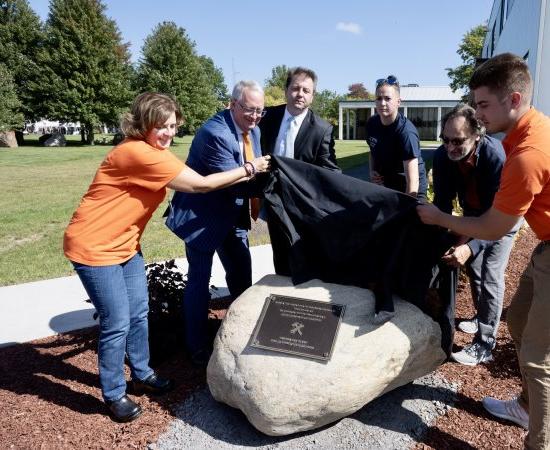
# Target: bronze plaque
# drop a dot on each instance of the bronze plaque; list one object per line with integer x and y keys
{"x": 298, "y": 326}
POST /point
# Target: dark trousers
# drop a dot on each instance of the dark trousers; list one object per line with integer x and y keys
{"x": 234, "y": 254}
{"x": 281, "y": 250}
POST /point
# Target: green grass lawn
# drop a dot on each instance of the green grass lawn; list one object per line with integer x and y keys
{"x": 41, "y": 188}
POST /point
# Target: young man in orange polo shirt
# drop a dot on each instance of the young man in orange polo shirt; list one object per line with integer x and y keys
{"x": 502, "y": 89}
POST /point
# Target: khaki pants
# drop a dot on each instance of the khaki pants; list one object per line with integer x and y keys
{"x": 529, "y": 325}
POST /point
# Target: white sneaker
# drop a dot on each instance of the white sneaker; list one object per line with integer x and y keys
{"x": 473, "y": 354}
{"x": 507, "y": 409}
{"x": 468, "y": 326}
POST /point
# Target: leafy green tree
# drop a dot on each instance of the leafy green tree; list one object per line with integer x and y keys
{"x": 10, "y": 117}
{"x": 85, "y": 66}
{"x": 215, "y": 76}
{"x": 20, "y": 39}
{"x": 274, "y": 96}
{"x": 170, "y": 64}
{"x": 325, "y": 103}
{"x": 278, "y": 77}
{"x": 469, "y": 50}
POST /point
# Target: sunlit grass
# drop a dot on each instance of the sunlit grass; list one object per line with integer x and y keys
{"x": 41, "y": 188}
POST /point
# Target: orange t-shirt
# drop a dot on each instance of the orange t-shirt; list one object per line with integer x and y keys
{"x": 525, "y": 180}
{"x": 126, "y": 190}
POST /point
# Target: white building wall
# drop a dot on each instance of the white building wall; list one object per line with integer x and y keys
{"x": 542, "y": 77}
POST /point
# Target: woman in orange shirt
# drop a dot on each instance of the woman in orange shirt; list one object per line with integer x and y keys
{"x": 102, "y": 240}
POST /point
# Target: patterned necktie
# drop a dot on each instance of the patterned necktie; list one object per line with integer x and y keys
{"x": 249, "y": 156}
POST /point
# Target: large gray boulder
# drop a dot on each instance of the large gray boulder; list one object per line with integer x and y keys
{"x": 282, "y": 394}
{"x": 8, "y": 139}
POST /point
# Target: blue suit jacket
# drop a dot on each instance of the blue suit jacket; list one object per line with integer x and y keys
{"x": 203, "y": 220}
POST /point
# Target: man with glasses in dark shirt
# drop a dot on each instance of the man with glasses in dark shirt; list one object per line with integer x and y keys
{"x": 468, "y": 165}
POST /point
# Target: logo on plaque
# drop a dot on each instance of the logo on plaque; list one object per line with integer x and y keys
{"x": 298, "y": 326}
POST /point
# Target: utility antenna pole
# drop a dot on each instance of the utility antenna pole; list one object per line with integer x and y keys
{"x": 233, "y": 72}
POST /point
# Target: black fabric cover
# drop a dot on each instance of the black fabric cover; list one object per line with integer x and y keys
{"x": 347, "y": 231}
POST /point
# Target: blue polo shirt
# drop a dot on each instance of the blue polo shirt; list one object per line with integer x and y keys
{"x": 392, "y": 144}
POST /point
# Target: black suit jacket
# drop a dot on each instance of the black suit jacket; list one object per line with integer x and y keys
{"x": 344, "y": 230}
{"x": 314, "y": 143}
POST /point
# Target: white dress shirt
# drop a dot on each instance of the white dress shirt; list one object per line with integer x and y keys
{"x": 290, "y": 125}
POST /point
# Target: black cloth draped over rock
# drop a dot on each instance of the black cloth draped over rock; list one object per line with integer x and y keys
{"x": 348, "y": 231}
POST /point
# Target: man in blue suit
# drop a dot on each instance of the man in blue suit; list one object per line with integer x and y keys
{"x": 217, "y": 221}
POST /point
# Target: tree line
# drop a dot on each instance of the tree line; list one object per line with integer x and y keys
{"x": 75, "y": 67}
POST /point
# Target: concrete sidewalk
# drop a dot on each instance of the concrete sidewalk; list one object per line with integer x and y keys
{"x": 44, "y": 308}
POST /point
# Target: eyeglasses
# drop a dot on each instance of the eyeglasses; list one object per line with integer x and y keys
{"x": 391, "y": 80}
{"x": 457, "y": 142}
{"x": 251, "y": 111}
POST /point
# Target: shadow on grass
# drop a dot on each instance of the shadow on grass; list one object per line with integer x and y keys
{"x": 353, "y": 161}
{"x": 70, "y": 142}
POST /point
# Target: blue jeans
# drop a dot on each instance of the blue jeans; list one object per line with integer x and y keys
{"x": 486, "y": 274}
{"x": 235, "y": 257}
{"x": 119, "y": 294}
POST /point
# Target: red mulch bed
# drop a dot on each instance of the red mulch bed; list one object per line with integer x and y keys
{"x": 468, "y": 425}
{"x": 50, "y": 397}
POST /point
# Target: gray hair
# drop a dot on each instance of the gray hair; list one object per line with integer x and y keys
{"x": 469, "y": 113}
{"x": 242, "y": 85}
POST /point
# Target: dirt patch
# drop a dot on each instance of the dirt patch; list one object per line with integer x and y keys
{"x": 50, "y": 397}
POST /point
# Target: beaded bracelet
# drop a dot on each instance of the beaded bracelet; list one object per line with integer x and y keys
{"x": 249, "y": 169}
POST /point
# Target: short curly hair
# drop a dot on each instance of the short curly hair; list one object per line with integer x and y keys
{"x": 469, "y": 114}
{"x": 149, "y": 110}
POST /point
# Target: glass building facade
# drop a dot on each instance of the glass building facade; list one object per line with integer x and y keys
{"x": 426, "y": 118}
{"x": 425, "y": 121}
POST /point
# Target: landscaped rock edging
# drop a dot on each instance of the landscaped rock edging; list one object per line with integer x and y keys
{"x": 282, "y": 394}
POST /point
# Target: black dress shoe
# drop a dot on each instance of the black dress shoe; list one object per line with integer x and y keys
{"x": 124, "y": 409}
{"x": 153, "y": 384}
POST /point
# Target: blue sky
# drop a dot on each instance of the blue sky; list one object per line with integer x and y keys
{"x": 345, "y": 42}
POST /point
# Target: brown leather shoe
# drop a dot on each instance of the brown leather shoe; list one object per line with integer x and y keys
{"x": 124, "y": 409}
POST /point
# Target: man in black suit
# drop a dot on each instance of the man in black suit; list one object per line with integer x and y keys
{"x": 294, "y": 131}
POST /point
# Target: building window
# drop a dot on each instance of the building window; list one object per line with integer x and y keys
{"x": 361, "y": 117}
{"x": 425, "y": 121}
{"x": 445, "y": 110}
